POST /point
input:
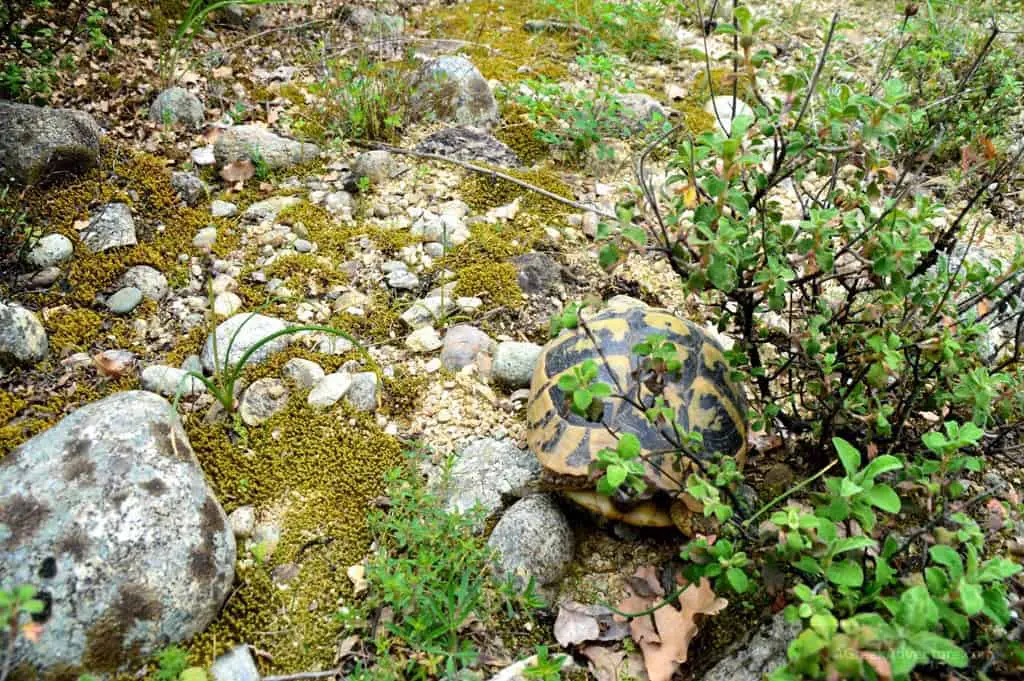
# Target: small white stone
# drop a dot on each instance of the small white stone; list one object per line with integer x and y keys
{"x": 227, "y": 304}
{"x": 329, "y": 390}
{"x": 424, "y": 339}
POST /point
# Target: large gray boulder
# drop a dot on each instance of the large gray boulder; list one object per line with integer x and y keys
{"x": 243, "y": 142}
{"x": 451, "y": 88}
{"x": 109, "y": 516}
{"x": 40, "y": 143}
{"x": 22, "y": 336}
{"x": 238, "y": 334}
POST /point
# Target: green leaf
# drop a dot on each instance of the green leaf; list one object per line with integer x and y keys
{"x": 917, "y": 609}
{"x": 883, "y": 497}
{"x": 737, "y": 580}
{"x": 998, "y": 569}
{"x": 903, "y": 660}
{"x": 616, "y": 475}
{"x": 947, "y": 557}
{"x": 33, "y": 606}
{"x": 568, "y": 383}
{"x": 609, "y": 256}
{"x": 599, "y": 390}
{"x": 636, "y": 235}
{"x": 940, "y": 648}
{"x": 881, "y": 464}
{"x": 581, "y": 400}
{"x": 970, "y": 597}
{"x": 845, "y": 573}
{"x": 851, "y": 544}
{"x": 848, "y": 454}
{"x": 848, "y": 488}
{"x": 629, "y": 446}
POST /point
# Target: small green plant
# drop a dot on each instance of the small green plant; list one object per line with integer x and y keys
{"x": 171, "y": 662}
{"x": 260, "y": 164}
{"x": 14, "y": 604}
{"x": 433, "y": 571}
{"x": 364, "y": 101}
{"x": 545, "y": 667}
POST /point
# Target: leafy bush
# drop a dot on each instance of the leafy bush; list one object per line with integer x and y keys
{"x": 364, "y": 101}
{"x": 634, "y": 27}
{"x": 852, "y": 315}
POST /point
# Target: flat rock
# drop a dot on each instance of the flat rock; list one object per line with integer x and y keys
{"x": 23, "y": 339}
{"x": 236, "y": 665}
{"x": 423, "y": 339}
{"x": 485, "y": 471}
{"x": 451, "y": 88}
{"x": 167, "y": 381}
{"x": 50, "y": 250}
{"x": 425, "y": 311}
{"x": 471, "y": 145}
{"x": 533, "y": 539}
{"x": 370, "y": 24}
{"x": 177, "y": 105}
{"x": 124, "y": 300}
{"x": 223, "y": 209}
{"x": 377, "y": 166}
{"x": 112, "y": 227}
{"x": 261, "y": 400}
{"x": 363, "y": 393}
{"x": 753, "y": 657}
{"x": 111, "y": 505}
{"x": 329, "y": 389}
{"x": 149, "y": 280}
{"x": 190, "y": 188}
{"x": 242, "y": 142}
{"x": 38, "y": 144}
{"x": 304, "y": 372}
{"x": 247, "y": 331}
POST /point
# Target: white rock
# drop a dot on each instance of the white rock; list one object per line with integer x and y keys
{"x": 330, "y": 389}
{"x": 424, "y": 339}
{"x": 50, "y": 250}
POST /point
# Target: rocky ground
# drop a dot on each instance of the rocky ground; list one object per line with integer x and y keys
{"x": 163, "y": 249}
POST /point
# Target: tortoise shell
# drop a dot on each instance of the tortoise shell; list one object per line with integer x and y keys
{"x": 701, "y": 394}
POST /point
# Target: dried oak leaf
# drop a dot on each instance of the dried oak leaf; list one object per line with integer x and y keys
{"x": 581, "y": 623}
{"x": 238, "y": 171}
{"x": 664, "y": 637}
{"x": 607, "y": 664}
{"x": 114, "y": 363}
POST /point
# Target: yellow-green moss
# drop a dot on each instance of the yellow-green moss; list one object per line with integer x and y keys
{"x": 384, "y": 323}
{"x": 313, "y": 273}
{"x": 491, "y": 243}
{"x": 72, "y": 329}
{"x": 482, "y": 192}
{"x": 325, "y": 467}
{"x": 520, "y": 136}
{"x": 494, "y": 283}
{"x": 9, "y": 406}
{"x": 403, "y": 392}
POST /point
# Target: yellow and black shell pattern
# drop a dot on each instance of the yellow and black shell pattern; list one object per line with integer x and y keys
{"x": 701, "y": 394}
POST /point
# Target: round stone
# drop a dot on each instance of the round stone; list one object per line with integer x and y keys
{"x": 125, "y": 300}
{"x": 50, "y": 250}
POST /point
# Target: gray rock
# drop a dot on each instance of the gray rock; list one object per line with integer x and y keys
{"x": 261, "y": 400}
{"x": 223, "y": 209}
{"x": 372, "y": 24}
{"x": 248, "y": 141}
{"x": 245, "y": 18}
{"x": 247, "y": 330}
{"x": 149, "y": 280}
{"x": 268, "y": 209}
{"x": 112, "y": 227}
{"x": 50, "y": 250}
{"x": 44, "y": 278}
{"x": 462, "y": 344}
{"x": 514, "y": 362}
{"x": 447, "y": 229}
{"x": 165, "y": 380}
{"x": 38, "y": 144}
{"x": 451, "y": 88}
{"x": 485, "y": 471}
{"x": 112, "y": 504}
{"x": 305, "y": 373}
{"x": 192, "y": 363}
{"x": 723, "y": 105}
{"x": 330, "y": 344}
{"x": 403, "y": 280}
{"x": 362, "y": 394}
{"x": 242, "y": 521}
{"x": 177, "y": 105}
{"x": 377, "y": 166}
{"x": 124, "y": 300}
{"x": 236, "y": 665}
{"x": 22, "y": 336}
{"x": 302, "y": 246}
{"x": 338, "y": 202}
{"x": 756, "y": 655}
{"x": 424, "y": 311}
{"x": 537, "y": 273}
{"x": 205, "y": 238}
{"x": 423, "y": 339}
{"x": 190, "y": 188}
{"x": 330, "y": 389}
{"x": 203, "y": 156}
{"x": 533, "y": 539}
{"x": 469, "y": 144}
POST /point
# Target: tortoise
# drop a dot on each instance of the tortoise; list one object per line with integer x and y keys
{"x": 701, "y": 395}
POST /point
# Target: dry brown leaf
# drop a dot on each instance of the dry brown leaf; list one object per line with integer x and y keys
{"x": 574, "y": 624}
{"x": 879, "y": 664}
{"x": 674, "y": 629}
{"x": 32, "y": 631}
{"x": 238, "y": 171}
{"x": 223, "y": 72}
{"x": 607, "y": 664}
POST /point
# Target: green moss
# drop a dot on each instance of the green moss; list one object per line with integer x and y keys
{"x": 9, "y": 406}
{"x": 490, "y": 243}
{"x": 324, "y": 467}
{"x": 482, "y": 192}
{"x": 494, "y": 283}
{"x": 403, "y": 392}
{"x": 293, "y": 93}
{"x": 384, "y": 324}
{"x": 520, "y": 135}
{"x": 72, "y": 329}
{"x": 305, "y": 272}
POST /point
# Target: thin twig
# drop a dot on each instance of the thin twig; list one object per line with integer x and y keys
{"x": 490, "y": 173}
